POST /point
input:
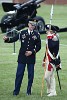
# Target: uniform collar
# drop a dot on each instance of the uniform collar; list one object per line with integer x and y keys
{"x": 30, "y": 31}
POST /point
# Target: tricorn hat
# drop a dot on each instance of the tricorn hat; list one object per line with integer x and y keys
{"x": 52, "y": 27}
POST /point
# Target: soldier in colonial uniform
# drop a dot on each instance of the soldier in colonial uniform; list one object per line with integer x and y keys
{"x": 51, "y": 61}
{"x": 30, "y": 45}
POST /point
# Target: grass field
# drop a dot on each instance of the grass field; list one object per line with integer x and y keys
{"x": 8, "y": 62}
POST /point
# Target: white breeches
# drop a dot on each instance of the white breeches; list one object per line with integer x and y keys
{"x": 50, "y": 80}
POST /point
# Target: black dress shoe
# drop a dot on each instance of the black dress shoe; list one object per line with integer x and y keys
{"x": 29, "y": 93}
{"x": 15, "y": 94}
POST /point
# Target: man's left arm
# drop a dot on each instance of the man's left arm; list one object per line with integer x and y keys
{"x": 38, "y": 44}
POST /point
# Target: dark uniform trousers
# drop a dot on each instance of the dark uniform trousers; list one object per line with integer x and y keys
{"x": 20, "y": 74}
{"x": 32, "y": 43}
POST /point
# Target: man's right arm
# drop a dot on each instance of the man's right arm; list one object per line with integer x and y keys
{"x": 11, "y": 40}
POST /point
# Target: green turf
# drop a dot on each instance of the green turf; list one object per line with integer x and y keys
{"x": 8, "y": 62}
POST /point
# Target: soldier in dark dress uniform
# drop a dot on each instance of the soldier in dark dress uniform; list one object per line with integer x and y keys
{"x": 30, "y": 45}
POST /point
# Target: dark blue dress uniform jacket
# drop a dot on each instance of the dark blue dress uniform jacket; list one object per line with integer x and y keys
{"x": 30, "y": 42}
